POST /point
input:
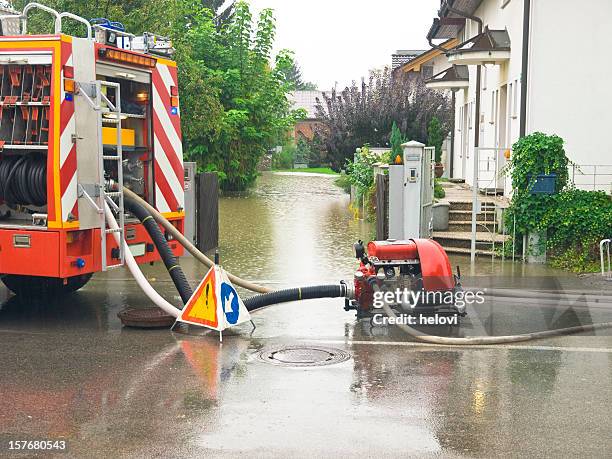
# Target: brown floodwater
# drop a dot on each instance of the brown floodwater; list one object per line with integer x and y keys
{"x": 298, "y": 229}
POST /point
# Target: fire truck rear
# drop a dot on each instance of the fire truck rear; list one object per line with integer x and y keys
{"x": 80, "y": 118}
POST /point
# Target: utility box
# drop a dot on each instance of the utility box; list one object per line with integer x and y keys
{"x": 411, "y": 193}
{"x": 190, "y": 202}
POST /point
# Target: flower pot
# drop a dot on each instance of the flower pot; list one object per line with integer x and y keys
{"x": 439, "y": 169}
{"x": 440, "y": 211}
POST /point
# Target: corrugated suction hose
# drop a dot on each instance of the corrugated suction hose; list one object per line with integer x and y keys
{"x": 170, "y": 261}
{"x": 159, "y": 218}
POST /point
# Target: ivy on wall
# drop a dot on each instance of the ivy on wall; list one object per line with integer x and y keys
{"x": 573, "y": 220}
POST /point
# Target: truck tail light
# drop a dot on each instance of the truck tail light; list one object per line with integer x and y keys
{"x": 68, "y": 85}
{"x": 130, "y": 58}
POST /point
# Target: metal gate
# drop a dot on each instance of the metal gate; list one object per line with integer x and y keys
{"x": 427, "y": 191}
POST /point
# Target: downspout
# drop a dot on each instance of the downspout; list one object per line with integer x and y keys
{"x": 451, "y": 163}
{"x": 525, "y": 66}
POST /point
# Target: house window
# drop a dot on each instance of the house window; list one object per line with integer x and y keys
{"x": 484, "y": 78}
{"x": 515, "y": 100}
{"x": 493, "y": 96}
{"x": 427, "y": 71}
{"x": 470, "y": 115}
{"x": 510, "y": 98}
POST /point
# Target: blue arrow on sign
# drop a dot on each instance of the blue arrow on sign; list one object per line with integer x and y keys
{"x": 229, "y": 302}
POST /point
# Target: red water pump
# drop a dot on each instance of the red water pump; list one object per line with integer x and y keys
{"x": 414, "y": 276}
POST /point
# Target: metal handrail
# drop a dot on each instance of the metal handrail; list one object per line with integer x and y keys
{"x": 475, "y": 188}
{"x": 605, "y": 243}
{"x": 601, "y": 176}
{"x": 23, "y": 17}
{"x": 58, "y": 23}
{"x": 24, "y": 14}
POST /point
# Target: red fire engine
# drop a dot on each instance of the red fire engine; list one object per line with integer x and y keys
{"x": 80, "y": 118}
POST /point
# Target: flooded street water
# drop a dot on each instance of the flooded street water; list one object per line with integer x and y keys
{"x": 292, "y": 229}
{"x": 70, "y": 371}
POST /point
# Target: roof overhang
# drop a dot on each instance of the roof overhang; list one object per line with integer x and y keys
{"x": 414, "y": 65}
{"x": 445, "y": 28}
{"x": 450, "y": 24}
{"x": 453, "y": 78}
{"x": 465, "y": 6}
{"x": 490, "y": 47}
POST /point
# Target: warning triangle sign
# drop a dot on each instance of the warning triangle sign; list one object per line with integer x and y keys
{"x": 215, "y": 304}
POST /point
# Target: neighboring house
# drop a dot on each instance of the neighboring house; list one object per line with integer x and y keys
{"x": 306, "y": 100}
{"x": 429, "y": 62}
{"x": 401, "y": 56}
{"x": 524, "y": 66}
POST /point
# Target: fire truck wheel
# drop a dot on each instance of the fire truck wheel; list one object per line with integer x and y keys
{"x": 35, "y": 286}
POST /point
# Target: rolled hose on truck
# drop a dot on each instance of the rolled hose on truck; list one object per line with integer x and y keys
{"x": 269, "y": 297}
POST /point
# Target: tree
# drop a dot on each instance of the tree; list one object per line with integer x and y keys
{"x": 255, "y": 112}
{"x": 365, "y": 114}
{"x": 292, "y": 73}
{"x": 396, "y": 140}
{"x": 435, "y": 137}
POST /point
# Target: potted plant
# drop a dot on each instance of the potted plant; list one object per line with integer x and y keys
{"x": 440, "y": 209}
{"x": 435, "y": 138}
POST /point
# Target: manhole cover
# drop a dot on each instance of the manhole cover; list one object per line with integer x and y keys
{"x": 304, "y": 356}
{"x": 145, "y": 318}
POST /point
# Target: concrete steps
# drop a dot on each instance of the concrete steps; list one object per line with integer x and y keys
{"x": 458, "y": 238}
{"x": 463, "y": 226}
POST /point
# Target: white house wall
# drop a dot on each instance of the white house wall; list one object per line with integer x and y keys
{"x": 568, "y": 83}
{"x": 493, "y": 78}
{"x": 569, "y": 77}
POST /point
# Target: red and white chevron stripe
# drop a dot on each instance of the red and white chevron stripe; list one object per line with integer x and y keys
{"x": 167, "y": 144}
{"x": 68, "y": 157}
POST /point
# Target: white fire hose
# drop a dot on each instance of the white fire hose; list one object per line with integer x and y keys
{"x": 141, "y": 280}
{"x": 479, "y": 340}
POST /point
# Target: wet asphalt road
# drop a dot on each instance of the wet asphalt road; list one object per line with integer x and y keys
{"x": 70, "y": 371}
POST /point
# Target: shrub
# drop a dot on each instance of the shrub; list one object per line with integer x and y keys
{"x": 435, "y": 137}
{"x": 573, "y": 220}
{"x": 396, "y": 141}
{"x": 343, "y": 182}
{"x": 284, "y": 159}
{"x": 439, "y": 192}
{"x": 361, "y": 171}
{"x": 576, "y": 221}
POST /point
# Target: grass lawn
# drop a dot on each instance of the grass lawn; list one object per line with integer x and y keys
{"x": 313, "y": 170}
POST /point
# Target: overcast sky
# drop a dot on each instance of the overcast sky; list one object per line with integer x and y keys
{"x": 340, "y": 40}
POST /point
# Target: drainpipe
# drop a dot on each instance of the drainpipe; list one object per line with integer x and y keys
{"x": 433, "y": 45}
{"x": 525, "y": 66}
{"x": 451, "y": 163}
